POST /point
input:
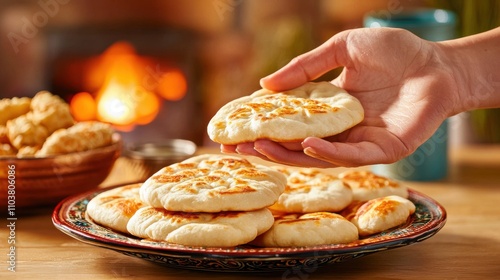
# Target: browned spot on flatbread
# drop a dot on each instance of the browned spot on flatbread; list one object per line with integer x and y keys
{"x": 129, "y": 206}
{"x": 381, "y": 206}
{"x": 220, "y": 125}
{"x": 249, "y": 173}
{"x": 386, "y": 207}
{"x": 231, "y": 163}
{"x": 368, "y": 180}
{"x": 239, "y": 113}
{"x": 126, "y": 206}
{"x": 237, "y": 190}
{"x": 267, "y": 110}
{"x": 317, "y": 108}
{"x": 285, "y": 111}
{"x": 165, "y": 178}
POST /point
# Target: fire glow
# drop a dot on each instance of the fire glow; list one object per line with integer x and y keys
{"x": 129, "y": 88}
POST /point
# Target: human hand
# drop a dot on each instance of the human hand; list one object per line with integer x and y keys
{"x": 403, "y": 82}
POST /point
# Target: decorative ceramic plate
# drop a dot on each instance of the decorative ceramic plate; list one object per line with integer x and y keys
{"x": 69, "y": 217}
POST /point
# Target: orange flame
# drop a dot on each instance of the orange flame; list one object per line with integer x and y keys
{"x": 127, "y": 88}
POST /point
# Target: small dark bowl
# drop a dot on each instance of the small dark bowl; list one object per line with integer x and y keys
{"x": 147, "y": 158}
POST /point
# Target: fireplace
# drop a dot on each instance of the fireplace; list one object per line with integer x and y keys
{"x": 219, "y": 48}
{"x": 140, "y": 79}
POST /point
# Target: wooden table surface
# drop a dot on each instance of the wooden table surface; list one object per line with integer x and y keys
{"x": 468, "y": 247}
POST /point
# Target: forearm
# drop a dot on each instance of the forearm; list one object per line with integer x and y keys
{"x": 475, "y": 63}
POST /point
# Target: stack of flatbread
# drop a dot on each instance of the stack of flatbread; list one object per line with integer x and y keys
{"x": 224, "y": 201}
{"x": 319, "y": 208}
{"x": 305, "y": 212}
{"x": 207, "y": 200}
{"x": 378, "y": 202}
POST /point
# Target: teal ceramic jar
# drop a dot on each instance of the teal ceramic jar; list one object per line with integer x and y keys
{"x": 430, "y": 161}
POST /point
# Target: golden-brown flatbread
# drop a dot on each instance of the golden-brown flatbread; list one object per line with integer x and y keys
{"x": 213, "y": 183}
{"x": 50, "y": 111}
{"x": 311, "y": 229}
{"x": 312, "y": 190}
{"x": 366, "y": 185}
{"x": 11, "y": 108}
{"x": 115, "y": 207}
{"x": 379, "y": 214}
{"x": 23, "y": 131}
{"x": 80, "y": 137}
{"x": 314, "y": 109}
{"x": 7, "y": 150}
{"x": 222, "y": 229}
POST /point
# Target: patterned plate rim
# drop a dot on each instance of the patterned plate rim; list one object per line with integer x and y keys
{"x": 69, "y": 217}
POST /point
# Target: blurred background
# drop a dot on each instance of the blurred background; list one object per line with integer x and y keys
{"x": 160, "y": 69}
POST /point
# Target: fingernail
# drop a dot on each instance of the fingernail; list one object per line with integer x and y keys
{"x": 257, "y": 150}
{"x": 309, "y": 151}
{"x": 262, "y": 81}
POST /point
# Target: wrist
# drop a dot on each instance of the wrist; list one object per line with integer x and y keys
{"x": 474, "y": 62}
{"x": 458, "y": 66}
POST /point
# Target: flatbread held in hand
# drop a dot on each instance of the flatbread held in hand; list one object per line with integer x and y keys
{"x": 311, "y": 110}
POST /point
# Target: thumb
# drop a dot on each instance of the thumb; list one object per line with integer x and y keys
{"x": 311, "y": 65}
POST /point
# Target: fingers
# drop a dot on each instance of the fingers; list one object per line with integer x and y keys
{"x": 275, "y": 152}
{"x": 248, "y": 148}
{"x": 344, "y": 154}
{"x": 316, "y": 152}
{"x": 228, "y": 149}
{"x": 278, "y": 153}
{"x": 242, "y": 149}
{"x": 309, "y": 66}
